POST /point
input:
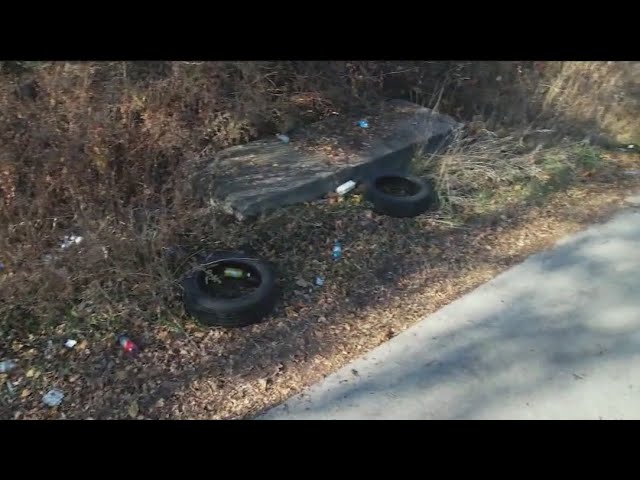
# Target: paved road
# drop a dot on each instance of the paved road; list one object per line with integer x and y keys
{"x": 556, "y": 337}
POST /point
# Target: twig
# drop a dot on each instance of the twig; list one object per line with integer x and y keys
{"x": 450, "y": 224}
{"x": 208, "y": 264}
{"x": 400, "y": 71}
{"x": 437, "y": 104}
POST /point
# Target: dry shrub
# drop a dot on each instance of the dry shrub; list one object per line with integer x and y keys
{"x": 102, "y": 149}
{"x": 569, "y": 99}
{"x": 482, "y": 169}
{"x": 475, "y": 163}
{"x": 596, "y": 97}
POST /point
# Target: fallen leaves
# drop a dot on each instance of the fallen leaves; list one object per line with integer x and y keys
{"x": 390, "y": 275}
{"x": 133, "y": 409}
{"x": 302, "y": 283}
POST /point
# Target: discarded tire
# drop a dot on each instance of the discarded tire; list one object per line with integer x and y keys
{"x": 201, "y": 299}
{"x": 399, "y": 195}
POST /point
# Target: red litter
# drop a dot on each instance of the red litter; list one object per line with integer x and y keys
{"x": 128, "y": 345}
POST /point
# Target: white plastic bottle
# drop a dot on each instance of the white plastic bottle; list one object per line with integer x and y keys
{"x": 346, "y": 187}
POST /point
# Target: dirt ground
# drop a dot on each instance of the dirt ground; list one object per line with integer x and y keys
{"x": 103, "y": 150}
{"x": 393, "y": 273}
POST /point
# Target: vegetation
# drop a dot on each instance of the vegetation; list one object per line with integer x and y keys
{"x": 104, "y": 149}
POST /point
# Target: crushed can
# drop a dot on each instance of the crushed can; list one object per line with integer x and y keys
{"x": 128, "y": 345}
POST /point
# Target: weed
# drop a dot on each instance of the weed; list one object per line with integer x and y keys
{"x": 587, "y": 157}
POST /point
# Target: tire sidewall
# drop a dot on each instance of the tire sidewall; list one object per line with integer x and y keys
{"x": 425, "y": 189}
{"x": 399, "y": 206}
{"x": 197, "y": 300}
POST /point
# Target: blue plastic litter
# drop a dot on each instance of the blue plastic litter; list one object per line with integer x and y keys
{"x": 337, "y": 251}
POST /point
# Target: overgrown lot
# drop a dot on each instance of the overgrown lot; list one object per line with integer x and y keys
{"x": 102, "y": 150}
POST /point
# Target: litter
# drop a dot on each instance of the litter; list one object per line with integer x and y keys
{"x": 319, "y": 281}
{"x": 236, "y": 273}
{"x": 127, "y": 345}
{"x": 346, "y": 187}
{"x": 70, "y": 343}
{"x": 7, "y": 365}
{"x": 363, "y": 124}
{"x": 70, "y": 240}
{"x": 283, "y": 138}
{"x": 337, "y": 251}
{"x": 53, "y": 398}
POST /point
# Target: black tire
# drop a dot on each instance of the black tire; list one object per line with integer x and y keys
{"x": 418, "y": 201}
{"x": 235, "y": 312}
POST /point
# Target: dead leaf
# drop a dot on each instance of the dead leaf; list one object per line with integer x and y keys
{"x": 301, "y": 282}
{"x": 30, "y": 373}
{"x": 25, "y": 393}
{"x": 133, "y": 409}
{"x": 372, "y": 239}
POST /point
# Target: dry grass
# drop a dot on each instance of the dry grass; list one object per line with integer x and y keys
{"x": 602, "y": 97}
{"x": 102, "y": 150}
{"x": 482, "y": 167}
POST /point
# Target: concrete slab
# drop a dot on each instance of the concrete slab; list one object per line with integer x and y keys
{"x": 557, "y": 337}
{"x": 249, "y": 179}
